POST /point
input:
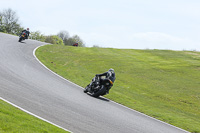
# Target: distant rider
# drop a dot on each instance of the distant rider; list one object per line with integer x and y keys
{"x": 27, "y": 33}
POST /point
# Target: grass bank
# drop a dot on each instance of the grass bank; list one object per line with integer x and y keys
{"x": 13, "y": 120}
{"x": 163, "y": 84}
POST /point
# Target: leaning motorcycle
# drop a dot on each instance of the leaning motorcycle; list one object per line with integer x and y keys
{"x": 22, "y": 36}
{"x": 98, "y": 87}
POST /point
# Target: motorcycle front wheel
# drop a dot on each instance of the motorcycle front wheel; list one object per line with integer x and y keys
{"x": 20, "y": 39}
{"x": 86, "y": 89}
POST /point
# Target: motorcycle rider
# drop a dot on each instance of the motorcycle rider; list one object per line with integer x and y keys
{"x": 110, "y": 74}
{"x": 27, "y": 33}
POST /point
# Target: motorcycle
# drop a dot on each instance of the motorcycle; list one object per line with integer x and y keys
{"x": 22, "y": 36}
{"x": 98, "y": 87}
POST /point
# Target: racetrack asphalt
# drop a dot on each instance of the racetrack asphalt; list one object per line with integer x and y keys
{"x": 29, "y": 85}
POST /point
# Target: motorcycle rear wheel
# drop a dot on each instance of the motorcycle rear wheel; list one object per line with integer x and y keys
{"x": 100, "y": 92}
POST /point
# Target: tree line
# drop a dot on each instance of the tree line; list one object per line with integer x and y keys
{"x": 9, "y": 23}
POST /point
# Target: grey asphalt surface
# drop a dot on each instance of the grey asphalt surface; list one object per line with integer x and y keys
{"x": 28, "y": 84}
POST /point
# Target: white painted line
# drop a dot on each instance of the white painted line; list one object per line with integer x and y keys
{"x": 151, "y": 117}
{"x": 34, "y": 114}
{"x": 51, "y": 70}
{"x": 109, "y": 99}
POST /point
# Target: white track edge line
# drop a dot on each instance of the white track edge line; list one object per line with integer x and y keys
{"x": 51, "y": 70}
{"x": 28, "y": 112}
{"x": 104, "y": 97}
{"x": 151, "y": 117}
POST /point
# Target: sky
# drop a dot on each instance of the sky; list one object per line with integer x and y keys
{"x": 127, "y": 24}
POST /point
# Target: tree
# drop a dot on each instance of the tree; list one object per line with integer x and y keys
{"x": 37, "y": 36}
{"x": 77, "y": 39}
{"x": 54, "y": 40}
{"x": 74, "y": 39}
{"x": 96, "y": 46}
{"x": 69, "y": 42}
{"x": 64, "y": 35}
{"x": 2, "y": 29}
{"x": 9, "y": 22}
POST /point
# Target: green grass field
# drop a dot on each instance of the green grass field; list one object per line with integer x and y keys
{"x": 13, "y": 120}
{"x": 163, "y": 84}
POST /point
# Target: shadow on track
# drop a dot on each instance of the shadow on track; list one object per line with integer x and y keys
{"x": 100, "y": 98}
{"x": 23, "y": 42}
{"x": 103, "y": 99}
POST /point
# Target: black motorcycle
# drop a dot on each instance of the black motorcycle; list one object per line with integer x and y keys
{"x": 22, "y": 36}
{"x": 99, "y": 87}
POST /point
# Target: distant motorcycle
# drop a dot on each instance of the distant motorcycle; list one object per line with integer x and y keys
{"x": 98, "y": 87}
{"x": 22, "y": 36}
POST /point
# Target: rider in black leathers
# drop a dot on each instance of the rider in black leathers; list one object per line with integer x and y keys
{"x": 27, "y": 33}
{"x": 110, "y": 74}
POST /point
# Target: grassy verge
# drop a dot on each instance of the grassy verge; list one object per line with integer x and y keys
{"x": 13, "y": 120}
{"x": 161, "y": 83}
